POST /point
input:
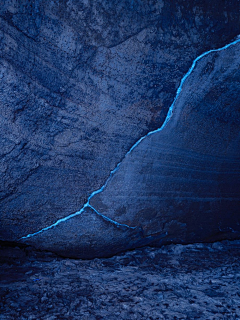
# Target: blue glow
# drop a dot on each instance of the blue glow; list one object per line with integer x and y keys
{"x": 110, "y": 220}
{"x": 169, "y": 115}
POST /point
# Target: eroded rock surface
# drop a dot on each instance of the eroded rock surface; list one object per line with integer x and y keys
{"x": 184, "y": 179}
{"x": 81, "y": 82}
{"x": 179, "y": 184}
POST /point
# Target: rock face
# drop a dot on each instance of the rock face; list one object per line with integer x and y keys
{"x": 184, "y": 179}
{"x": 178, "y": 184}
{"x": 81, "y": 82}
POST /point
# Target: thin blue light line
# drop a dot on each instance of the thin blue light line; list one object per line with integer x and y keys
{"x": 110, "y": 220}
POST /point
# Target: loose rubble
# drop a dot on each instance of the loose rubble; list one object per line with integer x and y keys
{"x": 197, "y": 281}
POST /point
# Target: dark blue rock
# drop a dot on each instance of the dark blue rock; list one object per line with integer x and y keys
{"x": 80, "y": 84}
{"x": 179, "y": 183}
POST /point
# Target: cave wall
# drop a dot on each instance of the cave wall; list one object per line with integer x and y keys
{"x": 81, "y": 82}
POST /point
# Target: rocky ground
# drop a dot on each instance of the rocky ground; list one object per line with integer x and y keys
{"x": 200, "y": 281}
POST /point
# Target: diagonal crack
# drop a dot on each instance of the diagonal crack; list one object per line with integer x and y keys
{"x": 126, "y": 39}
{"x": 110, "y": 220}
{"x": 169, "y": 115}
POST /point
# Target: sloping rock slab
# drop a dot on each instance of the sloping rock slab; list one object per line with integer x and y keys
{"x": 184, "y": 179}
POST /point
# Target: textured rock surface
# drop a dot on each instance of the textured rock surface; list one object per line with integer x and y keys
{"x": 185, "y": 179}
{"x": 81, "y": 81}
{"x": 199, "y": 281}
{"x": 180, "y": 184}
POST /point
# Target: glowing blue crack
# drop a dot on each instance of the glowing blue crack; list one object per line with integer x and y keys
{"x": 87, "y": 204}
{"x": 169, "y": 115}
{"x": 110, "y": 220}
{"x": 56, "y": 223}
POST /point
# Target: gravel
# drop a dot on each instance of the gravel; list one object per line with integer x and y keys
{"x": 195, "y": 281}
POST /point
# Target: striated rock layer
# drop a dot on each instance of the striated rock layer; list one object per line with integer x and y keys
{"x": 185, "y": 179}
{"x": 81, "y": 82}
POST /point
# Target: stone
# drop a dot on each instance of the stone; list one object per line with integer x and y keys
{"x": 179, "y": 184}
{"x": 183, "y": 180}
{"x": 81, "y": 82}
{"x": 148, "y": 285}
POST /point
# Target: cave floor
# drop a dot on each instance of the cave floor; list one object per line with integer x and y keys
{"x": 199, "y": 281}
